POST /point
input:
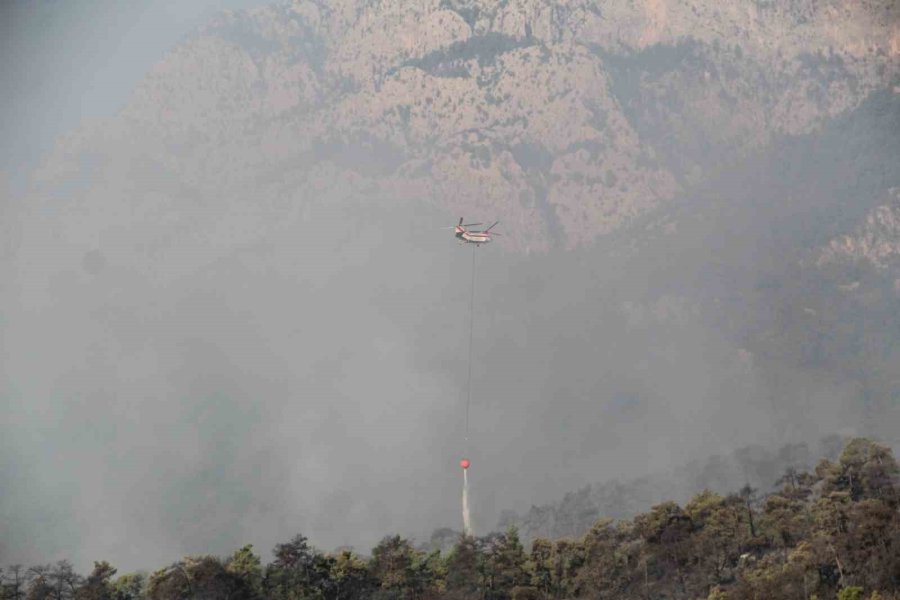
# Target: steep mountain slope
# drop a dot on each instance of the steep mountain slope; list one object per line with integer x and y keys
{"x": 565, "y": 119}
{"x": 788, "y": 254}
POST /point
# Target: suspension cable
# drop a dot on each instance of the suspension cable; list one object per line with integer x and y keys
{"x": 471, "y": 330}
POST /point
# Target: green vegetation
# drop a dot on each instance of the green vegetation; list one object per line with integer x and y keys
{"x": 451, "y": 61}
{"x": 830, "y": 533}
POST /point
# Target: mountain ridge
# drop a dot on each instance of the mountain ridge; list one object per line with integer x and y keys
{"x": 459, "y": 93}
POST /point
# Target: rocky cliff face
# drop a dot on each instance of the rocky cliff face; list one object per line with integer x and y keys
{"x": 875, "y": 241}
{"x": 565, "y": 119}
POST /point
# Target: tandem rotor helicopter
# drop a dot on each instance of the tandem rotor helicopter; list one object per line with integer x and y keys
{"x": 466, "y": 236}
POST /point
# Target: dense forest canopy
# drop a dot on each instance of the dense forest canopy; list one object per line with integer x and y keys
{"x": 831, "y": 532}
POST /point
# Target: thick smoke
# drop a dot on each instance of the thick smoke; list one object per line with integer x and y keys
{"x": 187, "y": 372}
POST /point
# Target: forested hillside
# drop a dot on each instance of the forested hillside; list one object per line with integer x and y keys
{"x": 756, "y": 466}
{"x": 830, "y": 532}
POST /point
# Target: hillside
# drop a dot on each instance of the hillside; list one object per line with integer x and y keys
{"x": 754, "y": 467}
{"x": 831, "y": 532}
{"x": 565, "y": 119}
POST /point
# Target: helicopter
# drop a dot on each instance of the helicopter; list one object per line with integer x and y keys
{"x": 473, "y": 237}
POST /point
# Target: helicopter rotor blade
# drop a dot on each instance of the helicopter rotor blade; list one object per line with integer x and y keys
{"x": 468, "y": 224}
{"x": 492, "y": 226}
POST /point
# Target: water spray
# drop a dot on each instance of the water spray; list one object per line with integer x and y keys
{"x": 467, "y": 518}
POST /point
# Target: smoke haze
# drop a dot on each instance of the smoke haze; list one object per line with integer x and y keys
{"x": 187, "y": 366}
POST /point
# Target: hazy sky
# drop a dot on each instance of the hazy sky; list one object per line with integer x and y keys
{"x": 186, "y": 368}
{"x": 64, "y": 61}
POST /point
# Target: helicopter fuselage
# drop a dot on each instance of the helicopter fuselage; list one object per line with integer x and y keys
{"x": 472, "y": 237}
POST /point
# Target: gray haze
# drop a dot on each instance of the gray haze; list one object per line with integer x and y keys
{"x": 189, "y": 369}
{"x": 67, "y": 61}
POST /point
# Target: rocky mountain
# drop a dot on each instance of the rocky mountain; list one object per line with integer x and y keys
{"x": 876, "y": 241}
{"x": 566, "y": 119}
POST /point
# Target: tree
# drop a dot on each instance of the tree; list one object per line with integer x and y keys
{"x": 53, "y": 582}
{"x": 542, "y": 565}
{"x": 851, "y": 593}
{"x": 505, "y": 565}
{"x": 748, "y": 495}
{"x": 718, "y": 539}
{"x": 871, "y": 545}
{"x": 97, "y": 586}
{"x": 247, "y": 566}
{"x": 129, "y": 586}
{"x": 830, "y": 524}
{"x": 170, "y": 584}
{"x": 796, "y": 485}
{"x": 295, "y": 554}
{"x": 667, "y": 530}
{"x": 350, "y": 577}
{"x": 428, "y": 578}
{"x": 785, "y": 519}
{"x": 526, "y": 593}
{"x": 611, "y": 553}
{"x": 197, "y": 578}
{"x": 299, "y": 571}
{"x": 463, "y": 578}
{"x": 38, "y": 587}
{"x": 864, "y": 470}
{"x": 391, "y": 565}
{"x": 777, "y": 576}
{"x": 12, "y": 586}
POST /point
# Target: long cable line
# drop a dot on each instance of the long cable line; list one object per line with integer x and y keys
{"x": 467, "y": 518}
{"x": 471, "y": 330}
